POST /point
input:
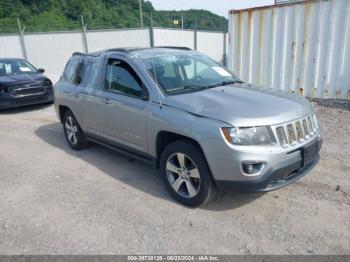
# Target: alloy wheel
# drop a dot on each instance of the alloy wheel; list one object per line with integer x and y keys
{"x": 71, "y": 130}
{"x": 183, "y": 175}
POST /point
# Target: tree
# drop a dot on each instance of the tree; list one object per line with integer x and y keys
{"x": 39, "y": 15}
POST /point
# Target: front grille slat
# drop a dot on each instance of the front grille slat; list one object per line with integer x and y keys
{"x": 300, "y": 134}
{"x": 291, "y": 134}
{"x": 314, "y": 121}
{"x": 297, "y": 131}
{"x": 306, "y": 129}
{"x": 281, "y": 136}
{"x": 311, "y": 127}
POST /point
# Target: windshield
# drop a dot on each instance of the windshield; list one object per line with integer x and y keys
{"x": 16, "y": 67}
{"x": 178, "y": 73}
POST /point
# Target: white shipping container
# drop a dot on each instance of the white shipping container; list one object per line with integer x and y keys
{"x": 298, "y": 46}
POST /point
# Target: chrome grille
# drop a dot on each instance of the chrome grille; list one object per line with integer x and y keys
{"x": 297, "y": 131}
{"x": 24, "y": 89}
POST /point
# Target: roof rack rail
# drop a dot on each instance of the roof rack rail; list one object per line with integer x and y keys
{"x": 113, "y": 50}
{"x": 79, "y": 53}
{"x": 174, "y": 47}
{"x": 98, "y": 53}
{"x": 126, "y": 50}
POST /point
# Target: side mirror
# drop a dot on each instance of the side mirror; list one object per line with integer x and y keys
{"x": 41, "y": 70}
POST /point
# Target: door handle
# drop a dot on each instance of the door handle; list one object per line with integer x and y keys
{"x": 67, "y": 93}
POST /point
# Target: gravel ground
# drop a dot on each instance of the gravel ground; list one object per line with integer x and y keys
{"x": 54, "y": 200}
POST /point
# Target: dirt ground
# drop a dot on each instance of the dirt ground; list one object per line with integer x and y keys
{"x": 54, "y": 200}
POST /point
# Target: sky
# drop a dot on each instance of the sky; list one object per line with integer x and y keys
{"x": 219, "y": 7}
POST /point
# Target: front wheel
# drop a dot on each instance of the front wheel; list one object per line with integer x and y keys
{"x": 73, "y": 132}
{"x": 186, "y": 173}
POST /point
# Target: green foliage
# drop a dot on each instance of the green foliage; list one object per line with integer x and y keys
{"x": 56, "y": 15}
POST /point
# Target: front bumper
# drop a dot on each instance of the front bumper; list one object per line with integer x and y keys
{"x": 283, "y": 166}
{"x": 7, "y": 101}
{"x": 278, "y": 178}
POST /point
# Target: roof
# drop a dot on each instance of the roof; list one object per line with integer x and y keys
{"x": 129, "y": 50}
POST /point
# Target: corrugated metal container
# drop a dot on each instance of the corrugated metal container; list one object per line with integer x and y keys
{"x": 302, "y": 47}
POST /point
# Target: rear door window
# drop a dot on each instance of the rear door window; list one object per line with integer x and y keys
{"x": 85, "y": 71}
{"x": 70, "y": 72}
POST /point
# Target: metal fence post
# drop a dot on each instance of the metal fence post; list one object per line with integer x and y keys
{"x": 140, "y": 13}
{"x": 151, "y": 33}
{"x": 21, "y": 39}
{"x": 224, "y": 56}
{"x": 195, "y": 34}
{"x": 84, "y": 27}
{"x": 182, "y": 21}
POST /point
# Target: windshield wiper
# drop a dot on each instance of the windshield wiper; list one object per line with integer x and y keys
{"x": 185, "y": 88}
{"x": 224, "y": 83}
{"x": 193, "y": 87}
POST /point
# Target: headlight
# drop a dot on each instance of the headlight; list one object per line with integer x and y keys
{"x": 249, "y": 135}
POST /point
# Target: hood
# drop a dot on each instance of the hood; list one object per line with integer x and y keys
{"x": 243, "y": 105}
{"x": 19, "y": 79}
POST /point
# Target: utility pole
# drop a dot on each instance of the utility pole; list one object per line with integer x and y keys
{"x": 140, "y": 10}
{"x": 195, "y": 33}
{"x": 151, "y": 34}
{"x": 21, "y": 39}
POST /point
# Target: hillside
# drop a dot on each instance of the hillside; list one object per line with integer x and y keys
{"x": 52, "y": 15}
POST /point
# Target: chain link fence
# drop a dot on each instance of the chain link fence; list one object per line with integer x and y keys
{"x": 51, "y": 50}
{"x": 113, "y": 20}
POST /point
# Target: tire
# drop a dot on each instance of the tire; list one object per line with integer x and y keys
{"x": 73, "y": 132}
{"x": 186, "y": 173}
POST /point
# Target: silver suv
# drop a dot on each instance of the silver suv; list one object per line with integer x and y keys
{"x": 192, "y": 118}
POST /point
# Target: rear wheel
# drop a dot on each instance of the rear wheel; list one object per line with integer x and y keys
{"x": 73, "y": 132}
{"x": 186, "y": 173}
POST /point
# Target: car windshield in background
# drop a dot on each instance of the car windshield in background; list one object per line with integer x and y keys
{"x": 16, "y": 67}
{"x": 177, "y": 73}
